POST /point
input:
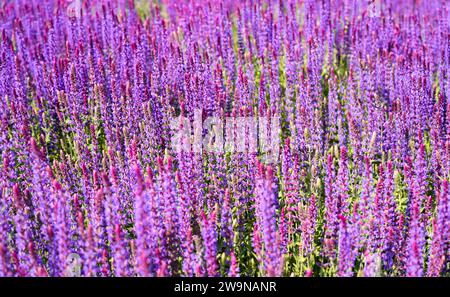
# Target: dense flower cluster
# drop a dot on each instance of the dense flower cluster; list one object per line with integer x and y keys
{"x": 88, "y": 91}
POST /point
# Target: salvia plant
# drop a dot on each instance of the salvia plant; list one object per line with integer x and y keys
{"x": 93, "y": 95}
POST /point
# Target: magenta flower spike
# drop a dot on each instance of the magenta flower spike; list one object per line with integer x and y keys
{"x": 224, "y": 138}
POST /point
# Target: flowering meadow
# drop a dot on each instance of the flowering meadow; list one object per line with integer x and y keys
{"x": 92, "y": 183}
